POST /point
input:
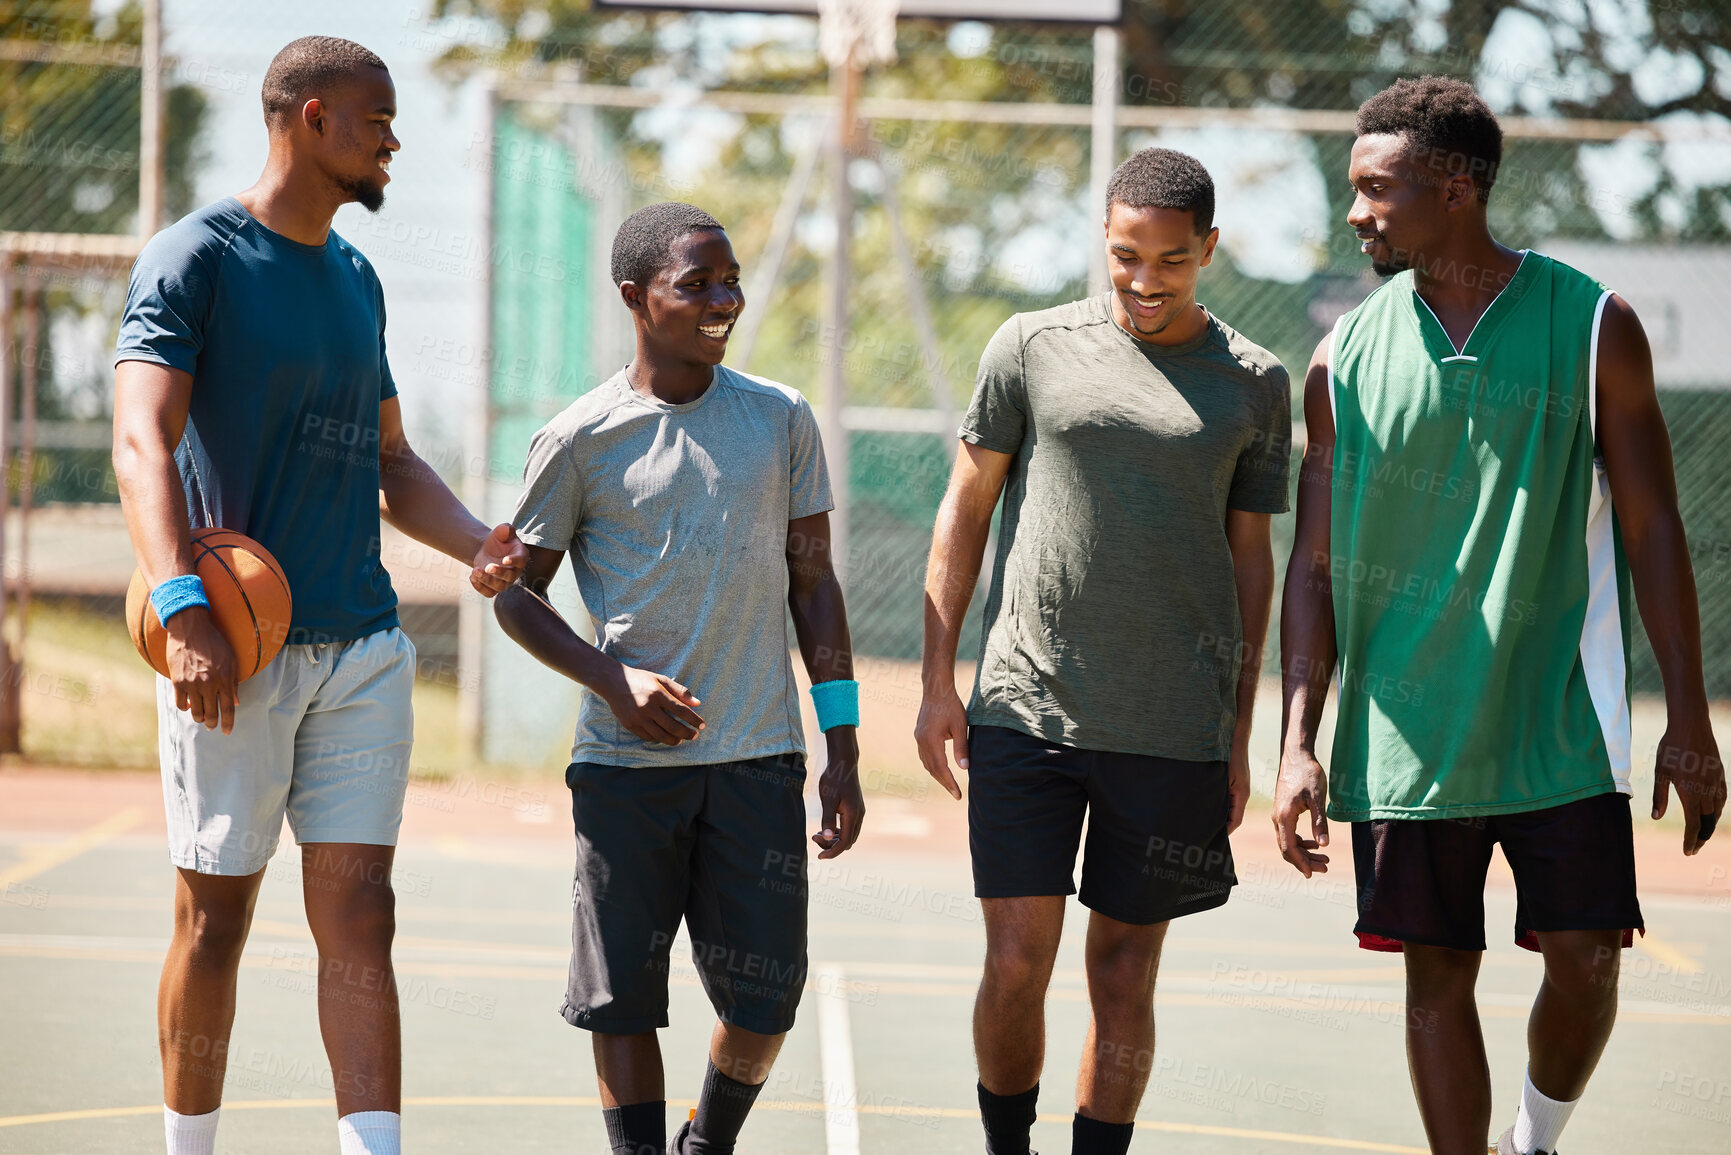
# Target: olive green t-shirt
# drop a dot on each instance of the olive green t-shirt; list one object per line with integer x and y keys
{"x": 1112, "y": 621}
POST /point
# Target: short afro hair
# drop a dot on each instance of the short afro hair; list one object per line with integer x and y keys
{"x": 1164, "y": 178}
{"x": 644, "y": 242}
{"x": 1447, "y": 123}
{"x": 306, "y": 68}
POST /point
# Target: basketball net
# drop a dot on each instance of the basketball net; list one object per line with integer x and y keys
{"x": 856, "y": 33}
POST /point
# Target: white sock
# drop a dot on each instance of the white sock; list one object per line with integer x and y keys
{"x": 371, "y": 1133}
{"x": 190, "y": 1134}
{"x": 1540, "y": 1122}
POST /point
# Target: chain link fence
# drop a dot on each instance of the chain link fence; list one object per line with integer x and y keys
{"x": 997, "y": 218}
{"x": 995, "y": 212}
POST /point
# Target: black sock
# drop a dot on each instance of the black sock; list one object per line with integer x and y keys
{"x": 1008, "y": 1120}
{"x": 1092, "y": 1137}
{"x": 637, "y": 1128}
{"x": 721, "y": 1111}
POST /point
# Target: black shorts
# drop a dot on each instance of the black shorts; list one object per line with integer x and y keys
{"x": 1423, "y": 880}
{"x": 721, "y": 846}
{"x": 1157, "y": 846}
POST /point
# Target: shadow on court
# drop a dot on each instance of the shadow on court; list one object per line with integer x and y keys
{"x": 1276, "y": 1034}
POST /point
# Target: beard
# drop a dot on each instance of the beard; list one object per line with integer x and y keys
{"x": 370, "y": 196}
{"x": 1394, "y": 261}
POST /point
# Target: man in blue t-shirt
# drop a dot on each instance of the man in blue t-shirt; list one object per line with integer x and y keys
{"x": 252, "y": 393}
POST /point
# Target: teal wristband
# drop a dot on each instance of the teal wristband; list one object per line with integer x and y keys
{"x": 837, "y": 703}
{"x": 176, "y": 594}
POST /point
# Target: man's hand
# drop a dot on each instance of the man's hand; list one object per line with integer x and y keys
{"x": 1302, "y": 786}
{"x": 201, "y": 666}
{"x": 653, "y": 706}
{"x": 942, "y": 719}
{"x": 1688, "y": 759}
{"x": 1238, "y": 785}
{"x": 500, "y": 562}
{"x": 839, "y": 792}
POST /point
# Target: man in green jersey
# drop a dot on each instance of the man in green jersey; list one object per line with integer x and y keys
{"x": 1472, "y": 425}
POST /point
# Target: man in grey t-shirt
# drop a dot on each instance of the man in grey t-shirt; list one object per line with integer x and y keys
{"x": 1140, "y": 446}
{"x": 693, "y": 502}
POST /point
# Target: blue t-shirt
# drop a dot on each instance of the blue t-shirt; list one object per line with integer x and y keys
{"x": 286, "y": 346}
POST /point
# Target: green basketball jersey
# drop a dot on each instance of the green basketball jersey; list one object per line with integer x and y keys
{"x": 1481, "y": 604}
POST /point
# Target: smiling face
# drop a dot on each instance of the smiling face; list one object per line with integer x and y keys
{"x": 1402, "y": 210}
{"x": 1155, "y": 256}
{"x": 688, "y": 309}
{"x": 349, "y": 135}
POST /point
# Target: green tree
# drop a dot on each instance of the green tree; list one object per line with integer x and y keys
{"x": 69, "y": 130}
{"x": 69, "y": 162}
{"x": 980, "y": 199}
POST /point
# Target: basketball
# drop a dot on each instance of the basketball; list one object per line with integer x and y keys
{"x": 249, "y": 599}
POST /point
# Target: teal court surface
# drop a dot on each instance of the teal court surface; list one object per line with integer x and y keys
{"x": 1276, "y": 1034}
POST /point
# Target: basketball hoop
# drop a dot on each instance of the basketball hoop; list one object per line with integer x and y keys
{"x": 856, "y": 33}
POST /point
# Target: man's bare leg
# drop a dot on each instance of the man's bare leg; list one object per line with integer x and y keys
{"x": 743, "y": 1056}
{"x": 633, "y": 1091}
{"x": 1445, "y": 1048}
{"x": 1122, "y": 961}
{"x": 352, "y": 912}
{"x": 195, "y": 999}
{"x": 1567, "y": 1031}
{"x": 1575, "y": 1011}
{"x": 739, "y": 1063}
{"x": 628, "y": 1068}
{"x": 1022, "y": 937}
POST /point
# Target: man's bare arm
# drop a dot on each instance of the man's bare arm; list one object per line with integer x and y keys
{"x": 650, "y": 705}
{"x": 814, "y": 600}
{"x": 953, "y": 569}
{"x": 150, "y": 407}
{"x": 1637, "y": 451}
{"x": 1307, "y": 640}
{"x": 415, "y": 499}
{"x": 1247, "y": 534}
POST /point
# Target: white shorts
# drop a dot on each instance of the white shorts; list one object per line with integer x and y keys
{"x": 322, "y": 734}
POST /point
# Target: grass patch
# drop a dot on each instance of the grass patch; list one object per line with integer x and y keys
{"x": 89, "y": 700}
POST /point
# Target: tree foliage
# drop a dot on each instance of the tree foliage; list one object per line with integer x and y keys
{"x": 69, "y": 146}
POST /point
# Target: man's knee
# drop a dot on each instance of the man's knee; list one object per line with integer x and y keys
{"x": 1125, "y": 973}
{"x": 363, "y": 914}
{"x": 1583, "y": 968}
{"x": 1017, "y": 967}
{"x": 1434, "y": 971}
{"x": 213, "y": 933}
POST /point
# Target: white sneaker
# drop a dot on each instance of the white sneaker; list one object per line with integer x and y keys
{"x": 1506, "y": 1146}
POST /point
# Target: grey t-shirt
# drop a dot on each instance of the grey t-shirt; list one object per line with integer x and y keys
{"x": 1112, "y": 621}
{"x": 675, "y": 517}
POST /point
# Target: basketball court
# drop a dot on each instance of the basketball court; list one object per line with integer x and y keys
{"x": 1276, "y": 1035}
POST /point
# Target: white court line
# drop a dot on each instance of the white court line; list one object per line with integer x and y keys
{"x": 835, "y": 1047}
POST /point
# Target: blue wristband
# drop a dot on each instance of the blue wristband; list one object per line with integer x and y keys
{"x": 176, "y": 594}
{"x": 837, "y": 703}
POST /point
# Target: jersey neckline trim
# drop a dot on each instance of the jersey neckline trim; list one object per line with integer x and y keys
{"x": 1457, "y": 355}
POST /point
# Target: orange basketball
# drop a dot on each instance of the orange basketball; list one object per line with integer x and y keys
{"x": 249, "y": 600}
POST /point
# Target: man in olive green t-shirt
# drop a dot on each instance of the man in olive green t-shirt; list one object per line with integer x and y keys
{"x": 1141, "y": 446}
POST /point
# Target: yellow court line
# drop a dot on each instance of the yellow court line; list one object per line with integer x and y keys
{"x": 49, "y": 857}
{"x": 806, "y": 1107}
{"x": 1667, "y": 954}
